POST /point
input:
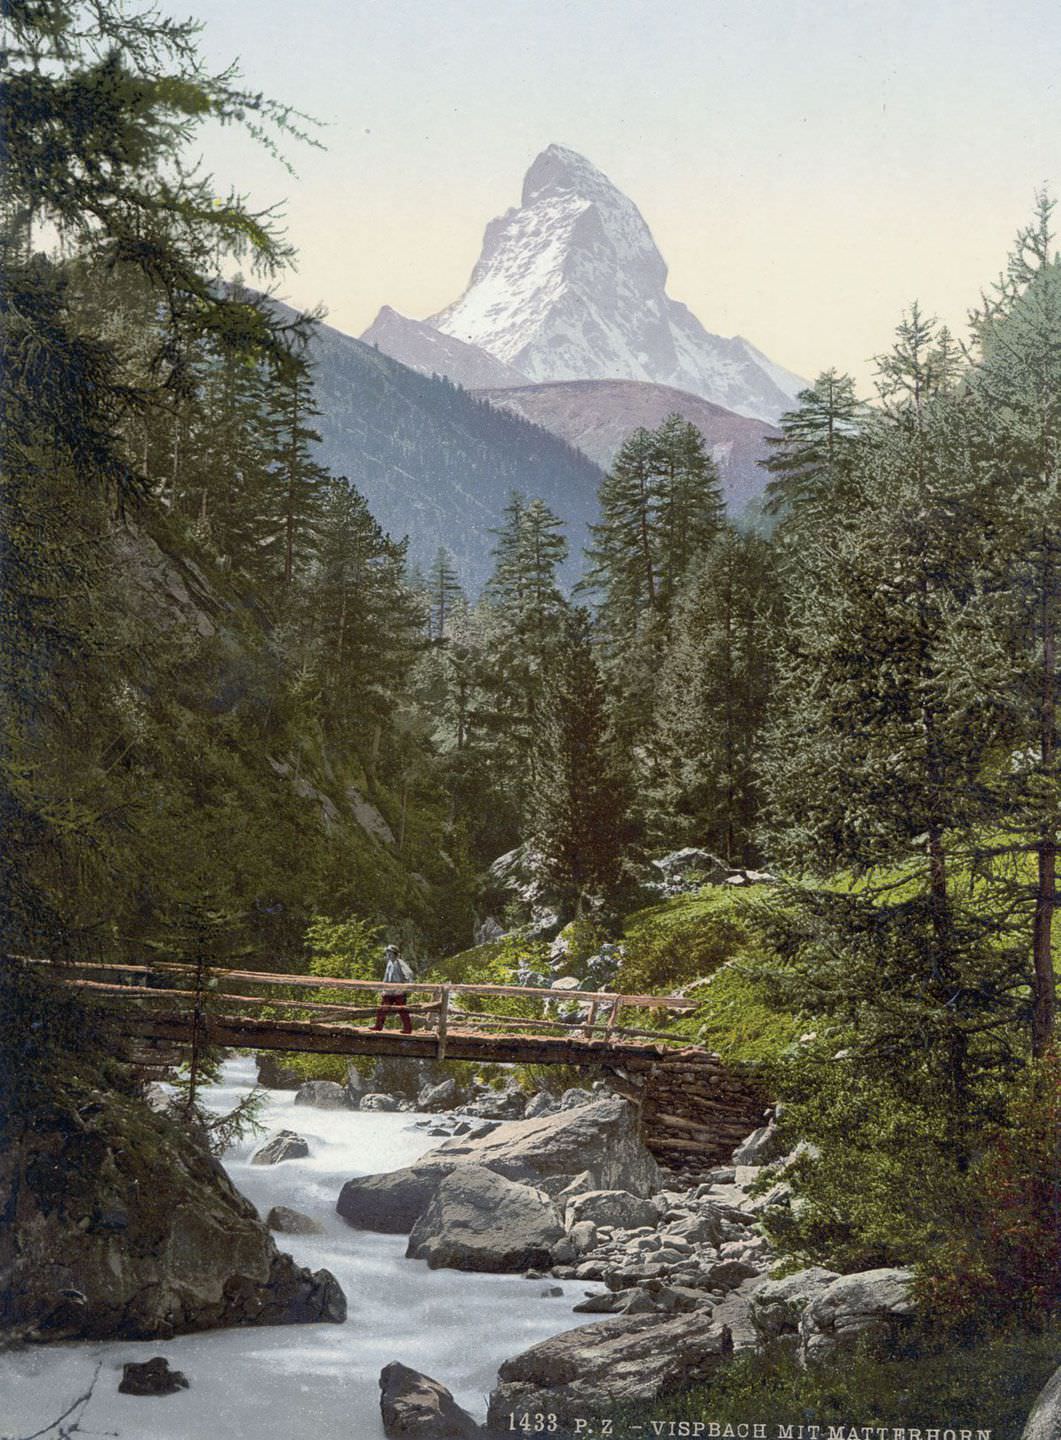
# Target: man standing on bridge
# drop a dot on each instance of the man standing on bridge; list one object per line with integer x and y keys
{"x": 397, "y": 972}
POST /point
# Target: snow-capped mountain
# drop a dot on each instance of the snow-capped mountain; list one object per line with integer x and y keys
{"x": 571, "y": 286}
{"x": 420, "y": 346}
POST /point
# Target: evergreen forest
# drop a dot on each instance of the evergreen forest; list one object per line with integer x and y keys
{"x": 235, "y": 710}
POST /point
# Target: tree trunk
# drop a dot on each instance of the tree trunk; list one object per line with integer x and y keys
{"x": 1043, "y": 984}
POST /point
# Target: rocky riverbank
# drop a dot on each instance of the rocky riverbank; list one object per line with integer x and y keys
{"x": 683, "y": 1274}
{"x": 116, "y": 1221}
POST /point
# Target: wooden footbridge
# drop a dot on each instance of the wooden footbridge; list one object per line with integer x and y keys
{"x": 693, "y": 1110}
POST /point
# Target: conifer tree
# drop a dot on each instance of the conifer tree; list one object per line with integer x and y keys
{"x": 1004, "y": 641}
{"x": 713, "y": 694}
{"x": 580, "y": 827}
{"x": 624, "y": 560}
{"x": 365, "y": 620}
{"x": 298, "y": 480}
{"x": 660, "y": 508}
{"x": 689, "y": 505}
{"x": 445, "y": 594}
{"x": 524, "y": 617}
{"x": 816, "y": 445}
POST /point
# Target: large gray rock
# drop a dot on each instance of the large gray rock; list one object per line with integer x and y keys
{"x": 1044, "y": 1423}
{"x": 540, "y": 1104}
{"x": 761, "y": 1147}
{"x": 150, "y": 1377}
{"x": 442, "y": 1096}
{"x": 507, "y": 1104}
{"x": 127, "y": 1228}
{"x": 478, "y": 1220}
{"x": 596, "y": 1143}
{"x": 777, "y": 1305}
{"x": 870, "y": 1303}
{"x": 415, "y": 1405}
{"x": 284, "y": 1145}
{"x": 571, "y": 1099}
{"x": 625, "y": 1360}
{"x": 617, "y": 1208}
{"x": 323, "y": 1095}
{"x": 286, "y": 1221}
{"x": 378, "y": 1101}
{"x": 391, "y": 1203}
{"x": 601, "y": 1138}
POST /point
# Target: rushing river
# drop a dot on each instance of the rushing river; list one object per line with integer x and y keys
{"x": 319, "y": 1381}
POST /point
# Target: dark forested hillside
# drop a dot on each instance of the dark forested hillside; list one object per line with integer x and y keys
{"x": 435, "y": 463}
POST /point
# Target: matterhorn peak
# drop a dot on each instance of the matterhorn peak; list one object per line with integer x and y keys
{"x": 558, "y": 169}
{"x": 570, "y": 285}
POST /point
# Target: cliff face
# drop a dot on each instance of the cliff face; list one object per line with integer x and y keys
{"x": 115, "y": 1224}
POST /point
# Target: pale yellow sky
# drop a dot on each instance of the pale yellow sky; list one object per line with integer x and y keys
{"x": 808, "y": 167}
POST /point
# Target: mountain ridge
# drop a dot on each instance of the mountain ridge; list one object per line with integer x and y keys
{"x": 596, "y": 416}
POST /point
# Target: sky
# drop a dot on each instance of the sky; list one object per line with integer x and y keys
{"x": 807, "y": 167}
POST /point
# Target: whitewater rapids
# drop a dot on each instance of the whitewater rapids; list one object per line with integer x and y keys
{"x": 278, "y": 1382}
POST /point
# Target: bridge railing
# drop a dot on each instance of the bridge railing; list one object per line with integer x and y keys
{"x": 441, "y": 1011}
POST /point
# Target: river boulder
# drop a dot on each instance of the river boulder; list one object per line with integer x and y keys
{"x": 151, "y": 1377}
{"x": 624, "y": 1360}
{"x": 118, "y": 1223}
{"x": 379, "y": 1101}
{"x": 596, "y": 1145}
{"x": 443, "y": 1096}
{"x": 286, "y": 1221}
{"x": 600, "y": 1138}
{"x": 414, "y": 1405}
{"x": 869, "y": 1303}
{"x": 390, "y": 1203}
{"x": 617, "y": 1208}
{"x": 479, "y": 1220}
{"x": 323, "y": 1095}
{"x": 284, "y": 1145}
{"x": 777, "y": 1305}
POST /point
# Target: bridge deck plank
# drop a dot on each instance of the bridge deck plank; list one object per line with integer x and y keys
{"x": 328, "y": 1039}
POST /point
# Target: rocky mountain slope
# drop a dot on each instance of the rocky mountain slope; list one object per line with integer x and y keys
{"x": 598, "y": 415}
{"x": 424, "y": 349}
{"x": 436, "y": 463}
{"x": 570, "y": 285}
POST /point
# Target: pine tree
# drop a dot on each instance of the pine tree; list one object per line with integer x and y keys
{"x": 298, "y": 480}
{"x": 364, "y": 619}
{"x": 624, "y": 559}
{"x": 713, "y": 695}
{"x": 445, "y": 593}
{"x": 98, "y": 103}
{"x": 816, "y": 445}
{"x": 922, "y": 363}
{"x": 524, "y": 623}
{"x": 580, "y": 827}
{"x": 1004, "y": 641}
{"x": 661, "y": 508}
{"x": 689, "y": 504}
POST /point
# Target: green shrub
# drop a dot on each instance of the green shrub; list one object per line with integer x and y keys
{"x": 1004, "y": 1261}
{"x": 682, "y": 940}
{"x": 990, "y": 1384}
{"x": 883, "y": 1182}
